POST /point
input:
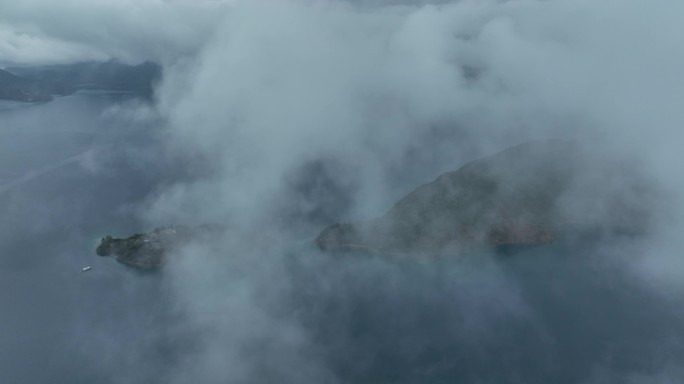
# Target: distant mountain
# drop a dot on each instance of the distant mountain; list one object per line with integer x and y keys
{"x": 526, "y": 195}
{"x": 22, "y": 89}
{"x": 39, "y": 83}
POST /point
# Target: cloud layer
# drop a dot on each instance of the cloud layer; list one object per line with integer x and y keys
{"x": 383, "y": 99}
{"x": 44, "y": 32}
{"x": 291, "y": 115}
{"x": 396, "y": 95}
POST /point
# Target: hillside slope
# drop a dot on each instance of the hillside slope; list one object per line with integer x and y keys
{"x": 17, "y": 88}
{"x": 526, "y": 195}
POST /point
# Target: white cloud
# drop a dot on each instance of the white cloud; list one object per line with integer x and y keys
{"x": 280, "y": 84}
{"x": 124, "y": 29}
{"x": 393, "y": 96}
{"x": 399, "y": 94}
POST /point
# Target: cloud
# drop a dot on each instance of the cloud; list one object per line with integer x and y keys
{"x": 386, "y": 98}
{"x": 44, "y": 32}
{"x": 279, "y": 110}
{"x": 281, "y": 85}
{"x": 23, "y": 48}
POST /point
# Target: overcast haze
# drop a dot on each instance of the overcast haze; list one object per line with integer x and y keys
{"x": 279, "y": 118}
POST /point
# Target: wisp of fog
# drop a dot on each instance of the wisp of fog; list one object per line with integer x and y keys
{"x": 279, "y": 118}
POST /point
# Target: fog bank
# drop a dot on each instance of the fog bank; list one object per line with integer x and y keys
{"x": 283, "y": 117}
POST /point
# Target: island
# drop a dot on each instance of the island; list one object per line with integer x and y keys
{"x": 529, "y": 195}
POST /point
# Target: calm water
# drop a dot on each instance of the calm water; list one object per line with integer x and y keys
{"x": 79, "y": 167}
{"x": 70, "y": 171}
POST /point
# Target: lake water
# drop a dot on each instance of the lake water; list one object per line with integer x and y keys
{"x": 70, "y": 171}
{"x": 79, "y": 167}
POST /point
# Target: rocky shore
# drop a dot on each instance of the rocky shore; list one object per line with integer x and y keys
{"x": 149, "y": 250}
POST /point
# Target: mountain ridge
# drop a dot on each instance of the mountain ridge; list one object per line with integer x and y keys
{"x": 528, "y": 194}
{"x": 40, "y": 83}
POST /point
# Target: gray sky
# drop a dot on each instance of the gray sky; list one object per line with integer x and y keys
{"x": 43, "y": 32}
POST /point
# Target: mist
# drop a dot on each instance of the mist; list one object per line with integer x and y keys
{"x": 279, "y": 118}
